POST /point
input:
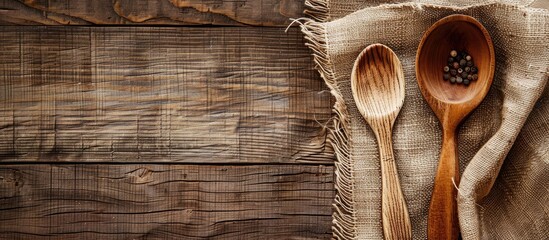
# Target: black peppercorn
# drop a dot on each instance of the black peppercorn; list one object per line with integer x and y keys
{"x": 446, "y": 69}
{"x": 475, "y": 76}
{"x": 469, "y": 63}
{"x": 450, "y": 60}
{"x": 462, "y": 62}
{"x": 464, "y": 75}
{"x": 452, "y": 79}
{"x": 468, "y": 58}
{"x": 470, "y": 77}
{"x": 466, "y": 81}
{"x": 460, "y": 70}
{"x": 456, "y": 65}
{"x": 453, "y": 72}
{"x": 459, "y": 79}
{"x": 453, "y": 53}
{"x": 446, "y": 76}
{"x": 474, "y": 69}
{"x": 467, "y": 69}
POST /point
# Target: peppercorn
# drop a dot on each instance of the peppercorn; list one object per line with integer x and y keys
{"x": 460, "y": 68}
{"x": 446, "y": 76}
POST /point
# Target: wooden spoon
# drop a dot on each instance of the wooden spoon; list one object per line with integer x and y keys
{"x": 377, "y": 82}
{"x": 451, "y": 103}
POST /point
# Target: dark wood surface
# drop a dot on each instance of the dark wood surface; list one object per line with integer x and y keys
{"x": 148, "y": 128}
{"x": 99, "y": 201}
{"x": 125, "y": 94}
{"x": 156, "y": 12}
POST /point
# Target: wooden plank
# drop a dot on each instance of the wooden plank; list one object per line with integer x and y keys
{"x": 165, "y": 12}
{"x": 89, "y": 201}
{"x": 134, "y": 94}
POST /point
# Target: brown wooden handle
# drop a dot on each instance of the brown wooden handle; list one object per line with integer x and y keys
{"x": 443, "y": 220}
{"x": 396, "y": 221}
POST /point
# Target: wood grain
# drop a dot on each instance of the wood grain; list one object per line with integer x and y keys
{"x": 451, "y": 103}
{"x": 155, "y": 12}
{"x": 90, "y": 201}
{"x": 134, "y": 94}
{"x": 378, "y": 84}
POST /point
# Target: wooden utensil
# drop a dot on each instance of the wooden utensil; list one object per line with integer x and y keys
{"x": 451, "y": 103}
{"x": 377, "y": 83}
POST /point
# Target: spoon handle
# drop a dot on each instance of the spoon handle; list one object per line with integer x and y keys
{"x": 443, "y": 221}
{"x": 396, "y": 221}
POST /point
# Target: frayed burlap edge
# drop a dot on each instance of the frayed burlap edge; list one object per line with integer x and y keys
{"x": 317, "y": 10}
{"x": 315, "y": 33}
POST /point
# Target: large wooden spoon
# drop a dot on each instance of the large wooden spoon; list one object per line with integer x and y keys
{"x": 451, "y": 103}
{"x": 377, "y": 83}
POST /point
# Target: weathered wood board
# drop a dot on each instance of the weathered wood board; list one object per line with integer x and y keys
{"x": 155, "y": 12}
{"x": 130, "y": 201}
{"x": 136, "y": 94}
{"x": 93, "y": 120}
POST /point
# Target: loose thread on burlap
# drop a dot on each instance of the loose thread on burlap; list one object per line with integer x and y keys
{"x": 323, "y": 125}
{"x": 295, "y": 20}
{"x": 463, "y": 195}
{"x": 456, "y": 187}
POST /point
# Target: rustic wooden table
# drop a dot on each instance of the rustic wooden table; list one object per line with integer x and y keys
{"x": 161, "y": 119}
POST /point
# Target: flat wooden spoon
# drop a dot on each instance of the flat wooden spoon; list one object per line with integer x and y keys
{"x": 377, "y": 83}
{"x": 451, "y": 103}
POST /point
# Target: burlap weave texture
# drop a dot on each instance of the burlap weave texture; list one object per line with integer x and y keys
{"x": 503, "y": 145}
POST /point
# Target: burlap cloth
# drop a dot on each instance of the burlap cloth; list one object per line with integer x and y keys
{"x": 503, "y": 145}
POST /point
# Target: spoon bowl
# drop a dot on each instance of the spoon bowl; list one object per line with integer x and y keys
{"x": 451, "y": 103}
{"x": 455, "y": 32}
{"x": 383, "y": 93}
{"x": 377, "y": 83}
